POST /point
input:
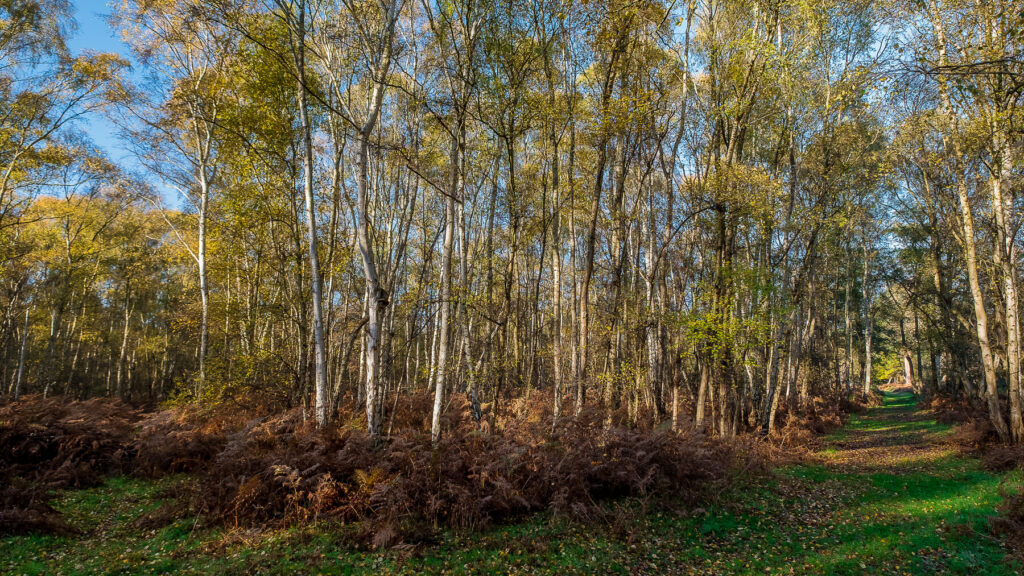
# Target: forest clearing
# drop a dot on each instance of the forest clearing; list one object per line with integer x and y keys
{"x": 511, "y": 286}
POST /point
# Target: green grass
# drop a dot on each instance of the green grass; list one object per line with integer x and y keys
{"x": 920, "y": 513}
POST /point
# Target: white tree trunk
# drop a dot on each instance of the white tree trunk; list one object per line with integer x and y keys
{"x": 319, "y": 346}
{"x": 446, "y": 290}
{"x": 21, "y": 357}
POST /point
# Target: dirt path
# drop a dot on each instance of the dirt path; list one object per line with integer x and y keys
{"x": 895, "y": 438}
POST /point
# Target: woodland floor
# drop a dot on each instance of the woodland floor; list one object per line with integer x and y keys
{"x": 885, "y": 494}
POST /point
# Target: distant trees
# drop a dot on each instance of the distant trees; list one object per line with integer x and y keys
{"x": 174, "y": 124}
{"x": 44, "y": 91}
{"x": 704, "y": 210}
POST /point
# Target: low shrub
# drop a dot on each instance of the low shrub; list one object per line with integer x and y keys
{"x": 973, "y": 433}
{"x": 1000, "y": 457}
{"x": 950, "y": 410}
{"x": 57, "y": 443}
{"x": 1009, "y": 523}
{"x": 282, "y": 471}
{"x": 52, "y": 443}
{"x": 183, "y": 439}
{"x": 492, "y": 464}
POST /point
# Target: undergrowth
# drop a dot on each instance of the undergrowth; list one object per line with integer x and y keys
{"x": 924, "y": 514}
{"x": 50, "y": 444}
{"x": 276, "y": 470}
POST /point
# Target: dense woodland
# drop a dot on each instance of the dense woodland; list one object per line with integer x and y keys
{"x": 682, "y": 214}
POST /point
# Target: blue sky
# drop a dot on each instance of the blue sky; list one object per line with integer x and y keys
{"x": 94, "y": 34}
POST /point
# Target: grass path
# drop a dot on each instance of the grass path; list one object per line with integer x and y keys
{"x": 887, "y": 496}
{"x": 884, "y": 495}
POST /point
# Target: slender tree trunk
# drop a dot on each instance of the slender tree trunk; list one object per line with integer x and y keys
{"x": 51, "y": 353}
{"x": 772, "y": 379}
{"x": 970, "y": 248}
{"x": 1006, "y": 256}
{"x": 868, "y": 323}
{"x": 204, "y": 288}
{"x": 21, "y": 356}
{"x": 588, "y": 272}
{"x": 442, "y": 354}
{"x": 319, "y": 346}
{"x": 377, "y": 300}
{"x": 119, "y": 382}
{"x": 906, "y": 359}
{"x": 702, "y": 393}
{"x": 848, "y": 357}
{"x": 556, "y": 281}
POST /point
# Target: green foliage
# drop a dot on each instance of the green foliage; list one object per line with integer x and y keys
{"x": 885, "y": 366}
